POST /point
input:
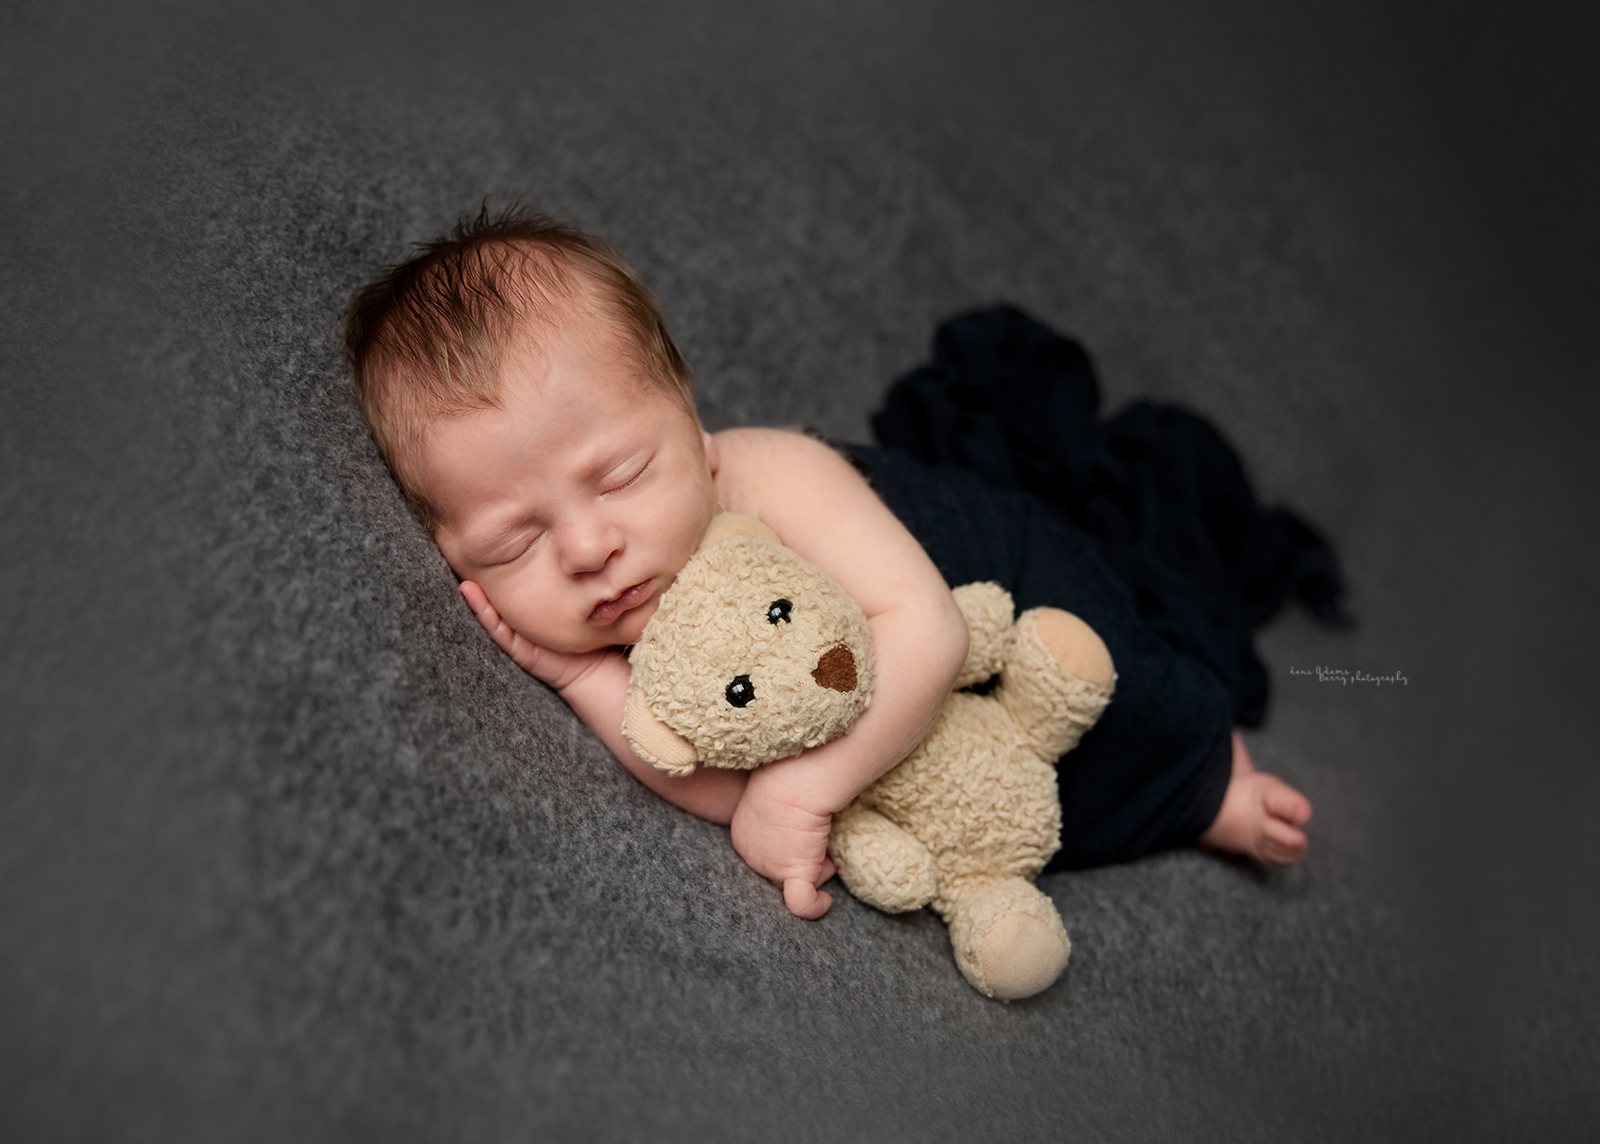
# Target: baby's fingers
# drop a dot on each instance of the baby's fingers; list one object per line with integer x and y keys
{"x": 478, "y": 601}
{"x": 523, "y": 653}
{"x": 805, "y": 900}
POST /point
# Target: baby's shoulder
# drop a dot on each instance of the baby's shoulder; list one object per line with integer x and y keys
{"x": 762, "y": 440}
{"x": 753, "y": 466}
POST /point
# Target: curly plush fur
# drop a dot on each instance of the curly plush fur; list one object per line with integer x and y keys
{"x": 746, "y": 612}
{"x": 725, "y": 676}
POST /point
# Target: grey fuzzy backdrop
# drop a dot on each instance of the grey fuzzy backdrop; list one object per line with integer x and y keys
{"x": 289, "y": 851}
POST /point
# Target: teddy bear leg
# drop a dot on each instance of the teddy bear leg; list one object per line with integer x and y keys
{"x": 1075, "y": 646}
{"x": 1057, "y": 680}
{"x": 880, "y": 863}
{"x": 1008, "y": 938}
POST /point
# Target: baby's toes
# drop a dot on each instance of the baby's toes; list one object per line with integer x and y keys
{"x": 1284, "y": 802}
{"x": 1282, "y": 844}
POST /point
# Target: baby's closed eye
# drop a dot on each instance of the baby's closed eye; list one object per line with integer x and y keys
{"x": 509, "y": 551}
{"x": 626, "y": 475}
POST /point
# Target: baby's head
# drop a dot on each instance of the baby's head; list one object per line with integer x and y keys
{"x": 521, "y": 384}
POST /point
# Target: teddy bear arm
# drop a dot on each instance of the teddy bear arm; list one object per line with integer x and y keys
{"x": 1041, "y": 685}
{"x": 653, "y": 741}
{"x": 988, "y": 611}
{"x": 880, "y": 863}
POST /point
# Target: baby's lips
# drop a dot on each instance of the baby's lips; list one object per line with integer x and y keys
{"x": 836, "y": 670}
{"x": 608, "y": 610}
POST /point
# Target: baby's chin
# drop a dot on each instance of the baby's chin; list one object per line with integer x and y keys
{"x": 631, "y": 624}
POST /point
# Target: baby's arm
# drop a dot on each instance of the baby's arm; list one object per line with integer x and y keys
{"x": 595, "y": 685}
{"x": 823, "y": 509}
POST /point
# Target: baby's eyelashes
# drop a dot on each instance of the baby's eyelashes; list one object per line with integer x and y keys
{"x": 525, "y": 547}
{"x": 510, "y": 552}
{"x": 628, "y": 475}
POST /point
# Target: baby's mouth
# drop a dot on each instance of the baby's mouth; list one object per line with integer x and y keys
{"x": 606, "y": 611}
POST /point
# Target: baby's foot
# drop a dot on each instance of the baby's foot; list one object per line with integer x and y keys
{"x": 1261, "y": 815}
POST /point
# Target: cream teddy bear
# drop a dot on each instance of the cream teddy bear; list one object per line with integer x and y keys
{"x": 754, "y": 655}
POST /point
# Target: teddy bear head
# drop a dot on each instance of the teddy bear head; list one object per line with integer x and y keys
{"x": 753, "y": 655}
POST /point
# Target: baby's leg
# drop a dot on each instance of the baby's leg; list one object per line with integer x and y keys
{"x": 1261, "y": 815}
{"x": 1153, "y": 771}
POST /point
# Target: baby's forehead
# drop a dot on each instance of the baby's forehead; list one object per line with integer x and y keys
{"x": 592, "y": 346}
{"x": 590, "y": 338}
{"x": 548, "y": 304}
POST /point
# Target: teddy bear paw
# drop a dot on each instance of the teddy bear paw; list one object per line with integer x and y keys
{"x": 1075, "y": 646}
{"x": 1008, "y": 938}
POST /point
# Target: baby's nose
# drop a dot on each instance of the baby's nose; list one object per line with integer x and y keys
{"x": 836, "y": 670}
{"x": 587, "y": 546}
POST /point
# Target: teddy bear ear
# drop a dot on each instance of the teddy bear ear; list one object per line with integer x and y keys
{"x": 655, "y": 742}
{"x": 729, "y": 524}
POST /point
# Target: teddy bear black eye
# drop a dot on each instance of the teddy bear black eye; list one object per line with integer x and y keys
{"x": 779, "y": 610}
{"x": 740, "y": 691}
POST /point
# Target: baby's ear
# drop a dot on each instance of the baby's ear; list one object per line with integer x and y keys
{"x": 655, "y": 742}
{"x": 730, "y": 524}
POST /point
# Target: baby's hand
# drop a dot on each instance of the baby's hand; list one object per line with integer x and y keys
{"x": 559, "y": 669}
{"x": 783, "y": 841}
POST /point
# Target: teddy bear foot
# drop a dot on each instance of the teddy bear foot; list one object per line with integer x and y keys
{"x": 1075, "y": 646}
{"x": 880, "y": 863}
{"x": 1008, "y": 938}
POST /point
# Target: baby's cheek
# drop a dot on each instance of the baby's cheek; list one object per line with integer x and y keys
{"x": 529, "y": 621}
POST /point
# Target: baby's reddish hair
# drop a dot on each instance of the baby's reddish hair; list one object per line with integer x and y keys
{"x": 425, "y": 339}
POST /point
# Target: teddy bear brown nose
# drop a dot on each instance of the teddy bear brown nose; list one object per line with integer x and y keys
{"x": 836, "y": 670}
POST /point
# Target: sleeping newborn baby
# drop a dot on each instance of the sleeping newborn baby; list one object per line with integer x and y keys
{"x": 523, "y": 388}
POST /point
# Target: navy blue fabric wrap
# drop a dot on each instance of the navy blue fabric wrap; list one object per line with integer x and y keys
{"x": 1161, "y": 494}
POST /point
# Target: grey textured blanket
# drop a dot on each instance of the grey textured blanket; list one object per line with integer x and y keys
{"x": 288, "y": 851}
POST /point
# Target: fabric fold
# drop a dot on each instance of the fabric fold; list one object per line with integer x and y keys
{"x": 1158, "y": 488}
